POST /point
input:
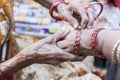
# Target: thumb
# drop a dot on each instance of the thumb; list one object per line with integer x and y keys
{"x": 70, "y": 57}
{"x": 60, "y": 35}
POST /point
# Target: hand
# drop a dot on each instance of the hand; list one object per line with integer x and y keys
{"x": 46, "y": 51}
{"x": 68, "y": 43}
{"x": 76, "y": 15}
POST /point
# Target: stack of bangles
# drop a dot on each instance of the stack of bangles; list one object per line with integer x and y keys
{"x": 116, "y": 52}
{"x": 92, "y": 42}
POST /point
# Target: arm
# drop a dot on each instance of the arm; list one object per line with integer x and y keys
{"x": 13, "y": 65}
{"x": 47, "y": 3}
{"x": 106, "y": 39}
{"x": 71, "y": 13}
{"x": 44, "y": 51}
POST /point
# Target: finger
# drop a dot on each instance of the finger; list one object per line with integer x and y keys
{"x": 68, "y": 49}
{"x": 91, "y": 18}
{"x": 62, "y": 44}
{"x": 79, "y": 58}
{"x": 67, "y": 16}
{"x": 82, "y": 12}
{"x": 70, "y": 57}
{"x": 60, "y": 35}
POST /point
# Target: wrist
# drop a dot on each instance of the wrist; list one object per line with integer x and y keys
{"x": 85, "y": 48}
{"x": 13, "y": 65}
{"x": 100, "y": 41}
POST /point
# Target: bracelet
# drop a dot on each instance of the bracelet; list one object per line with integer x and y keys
{"x": 55, "y": 5}
{"x": 2, "y": 78}
{"x": 93, "y": 42}
{"x": 77, "y": 41}
{"x": 116, "y": 52}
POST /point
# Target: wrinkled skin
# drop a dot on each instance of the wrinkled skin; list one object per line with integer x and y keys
{"x": 68, "y": 43}
{"x": 46, "y": 51}
{"x": 75, "y": 14}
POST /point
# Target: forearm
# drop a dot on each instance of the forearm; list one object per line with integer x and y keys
{"x": 106, "y": 40}
{"x": 47, "y": 3}
{"x": 13, "y": 65}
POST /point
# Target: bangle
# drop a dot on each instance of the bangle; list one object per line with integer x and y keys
{"x": 116, "y": 52}
{"x": 55, "y": 5}
{"x": 77, "y": 41}
{"x": 93, "y": 42}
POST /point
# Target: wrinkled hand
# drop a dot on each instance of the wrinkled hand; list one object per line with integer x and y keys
{"x": 68, "y": 43}
{"x": 76, "y": 15}
{"x": 46, "y": 51}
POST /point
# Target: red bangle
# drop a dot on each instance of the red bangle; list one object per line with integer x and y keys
{"x": 95, "y": 3}
{"x": 77, "y": 41}
{"x": 55, "y": 5}
{"x": 93, "y": 42}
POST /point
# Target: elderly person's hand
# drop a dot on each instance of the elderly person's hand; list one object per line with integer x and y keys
{"x": 68, "y": 43}
{"x": 44, "y": 51}
{"x": 76, "y": 14}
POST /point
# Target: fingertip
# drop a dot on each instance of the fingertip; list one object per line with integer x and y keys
{"x": 79, "y": 58}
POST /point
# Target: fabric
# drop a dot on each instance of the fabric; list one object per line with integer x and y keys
{"x": 8, "y": 46}
{"x": 115, "y": 3}
{"x": 6, "y": 26}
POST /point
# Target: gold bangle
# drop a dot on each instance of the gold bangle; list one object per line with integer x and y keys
{"x": 115, "y": 50}
{"x": 118, "y": 53}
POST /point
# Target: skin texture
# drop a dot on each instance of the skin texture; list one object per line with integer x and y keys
{"x": 74, "y": 15}
{"x": 44, "y": 51}
{"x": 104, "y": 42}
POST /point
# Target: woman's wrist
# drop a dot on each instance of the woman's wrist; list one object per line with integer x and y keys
{"x": 86, "y": 42}
{"x": 85, "y": 47}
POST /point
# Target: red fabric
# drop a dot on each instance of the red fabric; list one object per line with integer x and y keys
{"x": 115, "y": 3}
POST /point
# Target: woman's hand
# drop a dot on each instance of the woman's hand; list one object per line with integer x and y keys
{"x": 76, "y": 15}
{"x": 46, "y": 51}
{"x": 68, "y": 43}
